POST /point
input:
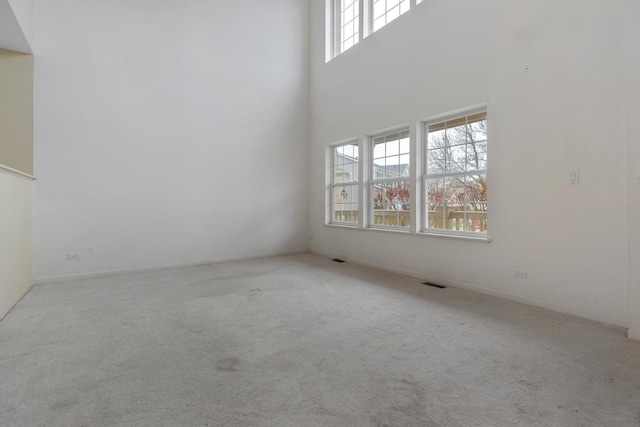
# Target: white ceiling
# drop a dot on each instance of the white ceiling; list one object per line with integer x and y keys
{"x": 11, "y": 35}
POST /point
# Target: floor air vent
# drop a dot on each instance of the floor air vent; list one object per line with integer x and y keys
{"x": 433, "y": 285}
{"x": 338, "y": 260}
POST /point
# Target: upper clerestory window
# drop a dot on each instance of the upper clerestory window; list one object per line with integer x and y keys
{"x": 385, "y": 11}
{"x": 352, "y": 20}
{"x": 346, "y": 24}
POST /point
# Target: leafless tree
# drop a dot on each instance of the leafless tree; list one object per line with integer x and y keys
{"x": 463, "y": 149}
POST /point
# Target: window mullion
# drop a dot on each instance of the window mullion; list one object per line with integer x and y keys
{"x": 414, "y": 185}
{"x": 337, "y": 26}
{"x": 363, "y": 13}
{"x": 363, "y": 174}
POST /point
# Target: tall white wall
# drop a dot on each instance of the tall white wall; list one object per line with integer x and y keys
{"x": 633, "y": 119}
{"x": 552, "y": 77}
{"x": 169, "y": 132}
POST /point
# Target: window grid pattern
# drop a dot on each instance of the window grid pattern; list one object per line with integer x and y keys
{"x": 344, "y": 184}
{"x": 346, "y": 24}
{"x": 390, "y": 182}
{"x": 385, "y": 11}
{"x": 455, "y": 182}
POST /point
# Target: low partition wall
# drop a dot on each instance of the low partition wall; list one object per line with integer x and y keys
{"x": 16, "y": 212}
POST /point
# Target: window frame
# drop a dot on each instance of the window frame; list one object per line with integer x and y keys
{"x": 333, "y": 184}
{"x": 365, "y": 23}
{"x": 335, "y": 26}
{"x": 371, "y": 14}
{"x": 372, "y": 180}
{"x": 425, "y": 176}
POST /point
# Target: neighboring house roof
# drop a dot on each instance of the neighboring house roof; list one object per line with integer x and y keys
{"x": 393, "y": 171}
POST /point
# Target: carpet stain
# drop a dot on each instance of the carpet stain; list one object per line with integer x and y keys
{"x": 227, "y": 365}
{"x": 406, "y": 403}
{"x": 62, "y": 405}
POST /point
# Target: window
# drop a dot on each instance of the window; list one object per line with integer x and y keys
{"x": 352, "y": 20}
{"x": 385, "y": 11}
{"x": 346, "y": 24}
{"x": 390, "y": 182}
{"x": 455, "y": 179}
{"x": 451, "y": 177}
{"x": 344, "y": 184}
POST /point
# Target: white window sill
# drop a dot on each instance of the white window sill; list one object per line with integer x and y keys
{"x": 347, "y": 226}
{"x": 482, "y": 238}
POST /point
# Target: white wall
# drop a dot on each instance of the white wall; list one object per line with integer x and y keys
{"x": 169, "y": 132}
{"x": 551, "y": 76}
{"x": 16, "y": 209}
{"x": 633, "y": 119}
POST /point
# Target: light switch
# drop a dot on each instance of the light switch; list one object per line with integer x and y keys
{"x": 573, "y": 177}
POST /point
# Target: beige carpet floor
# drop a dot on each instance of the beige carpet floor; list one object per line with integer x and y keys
{"x": 304, "y": 341}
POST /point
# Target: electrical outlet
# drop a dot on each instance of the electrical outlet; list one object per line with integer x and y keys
{"x": 72, "y": 256}
{"x": 520, "y": 274}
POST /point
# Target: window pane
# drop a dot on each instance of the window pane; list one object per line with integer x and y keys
{"x": 344, "y": 198}
{"x": 437, "y": 139}
{"x": 457, "y": 135}
{"x": 404, "y": 6}
{"x": 386, "y": 152}
{"x": 435, "y": 202}
{"x": 393, "y": 148}
{"x": 404, "y": 146}
{"x": 391, "y": 200}
{"x": 378, "y": 8}
{"x": 391, "y": 204}
{"x": 436, "y": 161}
{"x": 454, "y": 199}
{"x": 476, "y": 203}
{"x": 346, "y": 24}
{"x": 456, "y": 158}
{"x": 476, "y": 193}
{"x": 477, "y": 131}
{"x": 404, "y": 165}
{"x": 477, "y": 156}
{"x": 393, "y": 14}
{"x": 346, "y": 213}
{"x": 345, "y": 166}
{"x": 392, "y": 163}
{"x": 385, "y": 11}
{"x": 457, "y": 149}
{"x": 378, "y": 23}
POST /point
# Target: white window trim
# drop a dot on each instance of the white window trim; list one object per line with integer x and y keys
{"x": 365, "y": 25}
{"x": 424, "y": 124}
{"x": 369, "y": 12}
{"x": 416, "y": 180}
{"x": 371, "y": 181}
{"x": 332, "y": 184}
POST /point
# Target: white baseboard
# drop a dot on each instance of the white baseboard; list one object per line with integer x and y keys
{"x": 6, "y": 308}
{"x": 113, "y": 273}
{"x": 548, "y": 305}
{"x": 633, "y": 334}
